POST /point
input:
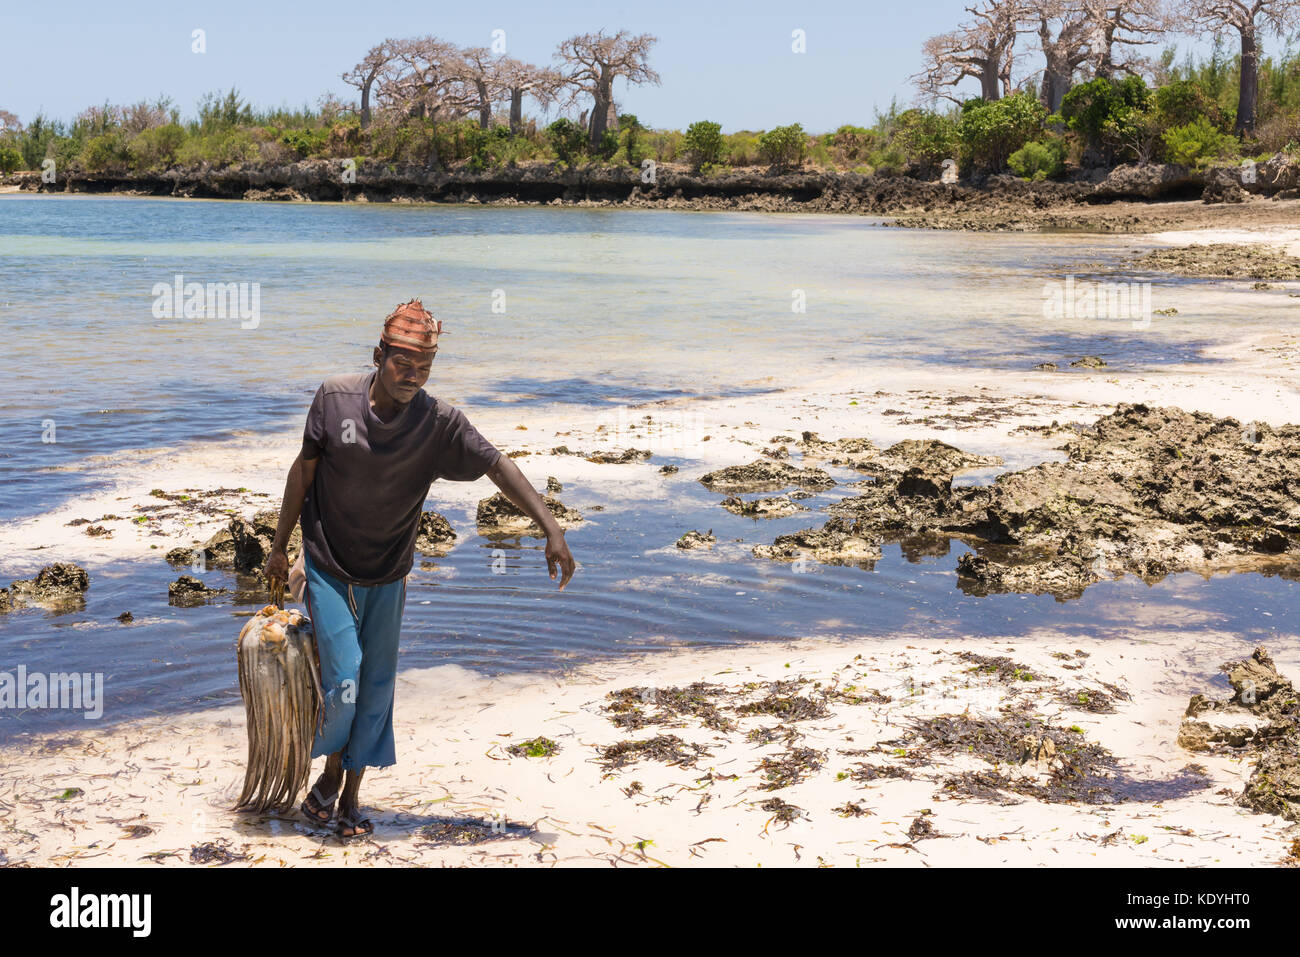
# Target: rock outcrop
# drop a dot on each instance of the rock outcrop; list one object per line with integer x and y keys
{"x": 57, "y": 587}
{"x": 1262, "y": 720}
{"x": 1145, "y": 491}
{"x": 498, "y": 516}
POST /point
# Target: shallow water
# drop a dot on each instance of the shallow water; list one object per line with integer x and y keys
{"x": 602, "y": 308}
{"x": 636, "y": 591}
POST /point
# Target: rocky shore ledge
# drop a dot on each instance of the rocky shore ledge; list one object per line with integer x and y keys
{"x": 995, "y": 202}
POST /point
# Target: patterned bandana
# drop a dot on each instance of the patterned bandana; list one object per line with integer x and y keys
{"x": 411, "y": 326}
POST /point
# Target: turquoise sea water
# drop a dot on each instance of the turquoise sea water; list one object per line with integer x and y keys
{"x": 588, "y": 307}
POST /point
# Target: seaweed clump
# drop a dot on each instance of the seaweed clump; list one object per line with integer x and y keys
{"x": 668, "y": 748}
{"x": 1076, "y": 769}
{"x": 533, "y": 748}
{"x": 791, "y": 767}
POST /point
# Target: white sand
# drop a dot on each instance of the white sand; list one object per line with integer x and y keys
{"x": 177, "y": 776}
{"x": 1286, "y": 240}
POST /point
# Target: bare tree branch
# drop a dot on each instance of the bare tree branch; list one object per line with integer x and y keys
{"x": 592, "y": 61}
{"x": 1117, "y": 24}
{"x": 983, "y": 49}
{"x": 1246, "y": 18}
{"x": 366, "y": 73}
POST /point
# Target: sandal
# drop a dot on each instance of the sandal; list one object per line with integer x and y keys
{"x": 358, "y": 825}
{"x": 323, "y": 806}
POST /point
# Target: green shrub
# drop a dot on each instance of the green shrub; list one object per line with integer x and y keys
{"x": 483, "y": 148}
{"x": 217, "y": 112}
{"x": 703, "y": 142}
{"x": 409, "y": 142}
{"x": 1101, "y": 109}
{"x": 156, "y": 148}
{"x": 927, "y": 139}
{"x": 665, "y": 145}
{"x": 65, "y": 150}
{"x": 742, "y": 148}
{"x": 1134, "y": 134}
{"x": 991, "y": 131}
{"x": 1039, "y": 159}
{"x": 818, "y": 153}
{"x": 222, "y": 148}
{"x": 104, "y": 152}
{"x": 851, "y": 144}
{"x": 632, "y": 140}
{"x": 784, "y": 145}
{"x": 36, "y": 139}
{"x": 889, "y": 160}
{"x": 567, "y": 139}
{"x": 1198, "y": 142}
{"x": 1179, "y": 102}
{"x": 11, "y": 158}
{"x": 608, "y": 145}
{"x": 305, "y": 142}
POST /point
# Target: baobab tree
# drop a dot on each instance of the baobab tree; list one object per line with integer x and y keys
{"x": 366, "y": 73}
{"x": 426, "y": 80}
{"x": 1063, "y": 34}
{"x": 1248, "y": 18}
{"x": 983, "y": 49}
{"x": 542, "y": 83}
{"x": 486, "y": 73}
{"x": 592, "y": 61}
{"x": 1123, "y": 23}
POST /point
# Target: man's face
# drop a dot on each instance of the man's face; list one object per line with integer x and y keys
{"x": 403, "y": 372}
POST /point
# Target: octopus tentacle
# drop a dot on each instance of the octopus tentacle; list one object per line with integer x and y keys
{"x": 282, "y": 694}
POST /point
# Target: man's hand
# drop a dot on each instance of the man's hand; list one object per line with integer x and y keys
{"x": 277, "y": 566}
{"x": 557, "y": 554}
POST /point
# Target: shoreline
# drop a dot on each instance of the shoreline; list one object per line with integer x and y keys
{"x": 1124, "y": 200}
{"x": 960, "y": 406}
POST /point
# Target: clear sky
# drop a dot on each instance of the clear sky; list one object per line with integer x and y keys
{"x": 728, "y": 61}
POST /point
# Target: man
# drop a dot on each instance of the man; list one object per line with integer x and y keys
{"x": 372, "y": 445}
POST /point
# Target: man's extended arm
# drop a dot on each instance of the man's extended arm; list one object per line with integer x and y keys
{"x": 507, "y": 477}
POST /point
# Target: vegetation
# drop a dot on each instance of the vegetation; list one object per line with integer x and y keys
{"x": 1186, "y": 113}
{"x": 704, "y": 143}
{"x": 783, "y": 145}
{"x": 991, "y": 131}
{"x": 1039, "y": 159}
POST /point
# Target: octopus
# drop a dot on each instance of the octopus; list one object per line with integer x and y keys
{"x": 279, "y": 678}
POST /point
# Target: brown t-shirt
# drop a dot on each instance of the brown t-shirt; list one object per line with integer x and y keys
{"x": 361, "y": 516}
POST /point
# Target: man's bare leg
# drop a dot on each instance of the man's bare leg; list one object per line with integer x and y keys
{"x": 349, "y": 804}
{"x": 327, "y": 784}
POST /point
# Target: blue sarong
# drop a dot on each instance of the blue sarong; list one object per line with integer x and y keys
{"x": 356, "y": 630}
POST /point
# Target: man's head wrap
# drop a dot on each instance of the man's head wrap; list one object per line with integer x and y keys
{"x": 411, "y": 326}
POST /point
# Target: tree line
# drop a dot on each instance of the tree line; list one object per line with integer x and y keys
{"x": 1062, "y": 82}
{"x": 1098, "y": 39}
